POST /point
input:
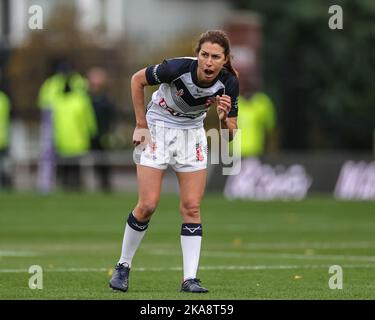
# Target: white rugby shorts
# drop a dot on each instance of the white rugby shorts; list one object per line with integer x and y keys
{"x": 184, "y": 149}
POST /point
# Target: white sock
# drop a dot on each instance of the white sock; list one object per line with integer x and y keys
{"x": 191, "y": 238}
{"x": 133, "y": 235}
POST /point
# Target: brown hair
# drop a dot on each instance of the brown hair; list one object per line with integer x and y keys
{"x": 221, "y": 38}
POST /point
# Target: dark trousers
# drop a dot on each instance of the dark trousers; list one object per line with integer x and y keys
{"x": 5, "y": 180}
{"x": 69, "y": 174}
{"x": 102, "y": 169}
{"x": 102, "y": 172}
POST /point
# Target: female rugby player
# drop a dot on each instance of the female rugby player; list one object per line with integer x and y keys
{"x": 171, "y": 133}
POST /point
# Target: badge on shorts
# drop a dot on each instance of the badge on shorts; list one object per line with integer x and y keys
{"x": 199, "y": 152}
{"x": 153, "y": 150}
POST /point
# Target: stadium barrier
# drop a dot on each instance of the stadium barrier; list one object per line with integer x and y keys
{"x": 24, "y": 172}
{"x": 296, "y": 175}
{"x": 285, "y": 176}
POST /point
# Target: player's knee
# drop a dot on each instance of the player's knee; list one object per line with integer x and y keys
{"x": 190, "y": 210}
{"x": 146, "y": 209}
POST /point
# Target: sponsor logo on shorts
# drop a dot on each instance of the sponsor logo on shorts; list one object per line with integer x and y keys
{"x": 199, "y": 152}
{"x": 153, "y": 150}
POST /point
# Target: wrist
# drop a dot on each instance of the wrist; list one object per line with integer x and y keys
{"x": 141, "y": 124}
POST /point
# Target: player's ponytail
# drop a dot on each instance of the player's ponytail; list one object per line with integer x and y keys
{"x": 229, "y": 66}
{"x": 221, "y": 38}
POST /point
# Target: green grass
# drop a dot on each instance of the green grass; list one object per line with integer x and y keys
{"x": 250, "y": 250}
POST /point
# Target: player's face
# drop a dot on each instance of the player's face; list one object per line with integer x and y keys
{"x": 211, "y": 59}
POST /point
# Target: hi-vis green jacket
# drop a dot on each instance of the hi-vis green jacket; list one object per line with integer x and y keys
{"x": 4, "y": 120}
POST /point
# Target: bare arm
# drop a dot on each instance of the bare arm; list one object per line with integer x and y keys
{"x": 223, "y": 107}
{"x": 138, "y": 83}
{"x": 141, "y": 134}
{"x": 231, "y": 124}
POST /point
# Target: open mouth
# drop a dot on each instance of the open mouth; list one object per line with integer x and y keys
{"x": 208, "y": 72}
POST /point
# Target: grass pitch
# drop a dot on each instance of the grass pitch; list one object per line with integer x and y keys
{"x": 250, "y": 250}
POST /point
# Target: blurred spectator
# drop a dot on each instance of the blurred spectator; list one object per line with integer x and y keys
{"x": 256, "y": 119}
{"x": 52, "y": 92}
{"x": 4, "y": 138}
{"x": 104, "y": 113}
{"x": 55, "y": 84}
{"x": 74, "y": 126}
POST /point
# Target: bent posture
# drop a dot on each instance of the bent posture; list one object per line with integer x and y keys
{"x": 171, "y": 133}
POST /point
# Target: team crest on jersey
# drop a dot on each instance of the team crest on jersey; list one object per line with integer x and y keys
{"x": 180, "y": 93}
{"x": 209, "y": 102}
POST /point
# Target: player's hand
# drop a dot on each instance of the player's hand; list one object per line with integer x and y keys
{"x": 141, "y": 136}
{"x": 223, "y": 105}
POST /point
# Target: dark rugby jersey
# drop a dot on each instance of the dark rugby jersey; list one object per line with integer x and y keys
{"x": 180, "y": 102}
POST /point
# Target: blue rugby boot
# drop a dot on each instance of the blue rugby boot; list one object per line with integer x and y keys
{"x": 193, "y": 285}
{"x": 120, "y": 278}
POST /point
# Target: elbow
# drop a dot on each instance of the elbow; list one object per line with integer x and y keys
{"x": 139, "y": 79}
{"x": 134, "y": 79}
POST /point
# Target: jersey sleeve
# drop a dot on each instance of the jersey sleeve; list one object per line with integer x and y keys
{"x": 166, "y": 71}
{"x": 232, "y": 90}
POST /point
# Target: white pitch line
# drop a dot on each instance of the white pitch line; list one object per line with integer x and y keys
{"x": 226, "y": 254}
{"x": 206, "y": 268}
{"x": 9, "y": 253}
{"x": 287, "y": 245}
{"x": 316, "y": 228}
{"x": 310, "y": 245}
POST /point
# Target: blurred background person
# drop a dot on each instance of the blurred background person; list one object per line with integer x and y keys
{"x": 4, "y": 137}
{"x": 256, "y": 120}
{"x": 104, "y": 114}
{"x": 50, "y": 92}
{"x": 74, "y": 125}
